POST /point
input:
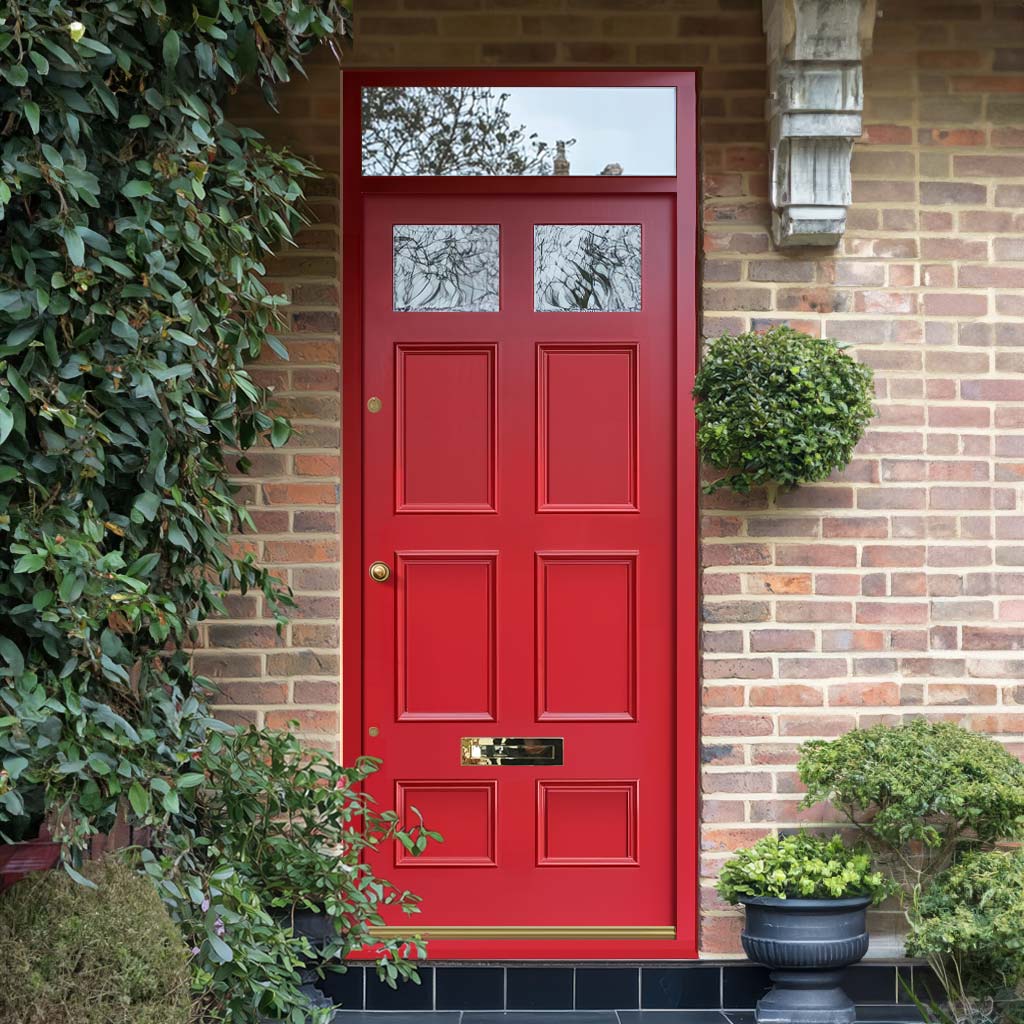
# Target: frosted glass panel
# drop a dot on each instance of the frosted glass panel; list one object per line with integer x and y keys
{"x": 449, "y": 268}
{"x": 586, "y": 268}
{"x": 485, "y": 130}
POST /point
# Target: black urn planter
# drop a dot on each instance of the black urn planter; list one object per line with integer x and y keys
{"x": 807, "y": 944}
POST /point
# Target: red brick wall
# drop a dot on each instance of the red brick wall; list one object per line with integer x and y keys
{"x": 896, "y": 587}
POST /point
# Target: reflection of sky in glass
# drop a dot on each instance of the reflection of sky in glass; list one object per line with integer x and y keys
{"x": 634, "y": 127}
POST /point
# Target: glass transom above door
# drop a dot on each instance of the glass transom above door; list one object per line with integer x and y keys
{"x": 465, "y": 130}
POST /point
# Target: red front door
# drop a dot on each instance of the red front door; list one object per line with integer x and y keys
{"x": 519, "y": 485}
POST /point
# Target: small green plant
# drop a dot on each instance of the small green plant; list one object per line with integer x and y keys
{"x": 967, "y": 925}
{"x": 780, "y": 407}
{"x": 107, "y": 953}
{"x": 802, "y": 866}
{"x": 272, "y": 828}
{"x": 918, "y": 792}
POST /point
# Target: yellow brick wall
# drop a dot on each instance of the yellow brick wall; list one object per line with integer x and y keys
{"x": 896, "y": 588}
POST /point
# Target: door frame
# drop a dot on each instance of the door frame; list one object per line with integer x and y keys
{"x": 683, "y": 187}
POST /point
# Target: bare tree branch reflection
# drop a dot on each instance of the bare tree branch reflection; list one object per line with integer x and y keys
{"x": 446, "y": 267}
{"x": 446, "y": 130}
{"x": 587, "y": 267}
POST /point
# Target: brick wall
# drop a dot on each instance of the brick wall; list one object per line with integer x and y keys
{"x": 895, "y": 587}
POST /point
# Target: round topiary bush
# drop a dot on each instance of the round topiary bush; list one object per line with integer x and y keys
{"x": 78, "y": 955}
{"x": 779, "y": 407}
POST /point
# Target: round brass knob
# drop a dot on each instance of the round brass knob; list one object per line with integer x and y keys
{"x": 379, "y": 571}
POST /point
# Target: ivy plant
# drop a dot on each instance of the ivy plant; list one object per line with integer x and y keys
{"x": 800, "y": 866}
{"x": 136, "y": 221}
{"x": 779, "y": 407}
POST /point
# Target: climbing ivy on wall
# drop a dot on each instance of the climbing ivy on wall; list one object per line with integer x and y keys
{"x": 136, "y": 219}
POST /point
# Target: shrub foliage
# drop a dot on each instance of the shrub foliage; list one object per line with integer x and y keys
{"x": 277, "y": 829}
{"x": 79, "y": 955}
{"x": 918, "y": 791}
{"x": 968, "y": 925}
{"x": 136, "y": 219}
{"x": 779, "y": 407}
{"x": 802, "y": 866}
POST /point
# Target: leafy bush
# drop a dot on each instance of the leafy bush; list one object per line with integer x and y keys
{"x": 802, "y": 866}
{"x": 136, "y": 224}
{"x": 103, "y": 955}
{"x": 779, "y": 407}
{"x": 968, "y": 924}
{"x": 918, "y": 791}
{"x": 275, "y": 828}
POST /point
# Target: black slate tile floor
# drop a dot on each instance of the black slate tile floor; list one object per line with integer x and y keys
{"x": 867, "y": 1015}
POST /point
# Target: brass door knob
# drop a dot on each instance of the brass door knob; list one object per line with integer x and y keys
{"x": 379, "y": 571}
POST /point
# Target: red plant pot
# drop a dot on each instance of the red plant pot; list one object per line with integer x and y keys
{"x": 20, "y": 859}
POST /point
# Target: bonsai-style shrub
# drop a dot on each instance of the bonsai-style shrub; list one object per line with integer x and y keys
{"x": 968, "y": 925}
{"x": 918, "y": 792}
{"x": 273, "y": 829}
{"x": 932, "y": 799}
{"x": 101, "y": 954}
{"x": 780, "y": 407}
{"x": 801, "y": 866}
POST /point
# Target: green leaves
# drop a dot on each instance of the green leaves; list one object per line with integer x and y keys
{"x": 137, "y": 223}
{"x": 802, "y": 866}
{"x": 969, "y": 921}
{"x": 932, "y": 784}
{"x": 172, "y": 48}
{"x": 780, "y": 407}
{"x": 137, "y": 188}
{"x": 75, "y": 245}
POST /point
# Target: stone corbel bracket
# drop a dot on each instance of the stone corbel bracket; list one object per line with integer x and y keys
{"x": 815, "y": 102}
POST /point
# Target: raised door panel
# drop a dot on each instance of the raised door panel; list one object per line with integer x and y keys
{"x": 587, "y": 823}
{"x": 445, "y": 429}
{"x": 587, "y": 428}
{"x": 446, "y": 636}
{"x": 586, "y": 636}
{"x": 465, "y": 813}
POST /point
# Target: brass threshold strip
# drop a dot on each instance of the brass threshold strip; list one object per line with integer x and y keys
{"x": 530, "y": 932}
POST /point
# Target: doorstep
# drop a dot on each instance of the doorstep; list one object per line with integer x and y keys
{"x": 611, "y": 992}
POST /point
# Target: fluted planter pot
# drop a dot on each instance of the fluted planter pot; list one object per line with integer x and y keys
{"x": 807, "y": 944}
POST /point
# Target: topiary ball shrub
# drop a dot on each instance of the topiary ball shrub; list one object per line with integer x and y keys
{"x": 78, "y": 955}
{"x": 779, "y": 407}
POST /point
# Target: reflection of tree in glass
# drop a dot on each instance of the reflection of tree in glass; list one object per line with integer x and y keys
{"x": 446, "y": 130}
{"x": 594, "y": 267}
{"x": 446, "y": 267}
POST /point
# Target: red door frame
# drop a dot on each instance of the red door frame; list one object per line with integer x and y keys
{"x": 683, "y": 188}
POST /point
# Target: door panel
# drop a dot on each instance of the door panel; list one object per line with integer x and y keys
{"x": 520, "y": 480}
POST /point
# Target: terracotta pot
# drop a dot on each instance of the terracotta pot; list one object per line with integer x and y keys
{"x": 20, "y": 859}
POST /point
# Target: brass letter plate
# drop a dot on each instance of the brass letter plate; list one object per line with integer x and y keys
{"x": 511, "y": 750}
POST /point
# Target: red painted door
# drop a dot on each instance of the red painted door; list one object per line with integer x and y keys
{"x": 519, "y": 481}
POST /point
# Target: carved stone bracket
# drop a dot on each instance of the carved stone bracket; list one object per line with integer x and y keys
{"x": 815, "y": 101}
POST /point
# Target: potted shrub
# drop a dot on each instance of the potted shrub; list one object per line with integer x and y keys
{"x": 779, "y": 408}
{"x": 806, "y": 899}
